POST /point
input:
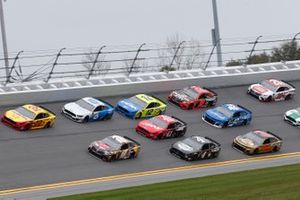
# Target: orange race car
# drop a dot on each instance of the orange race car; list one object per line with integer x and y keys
{"x": 28, "y": 117}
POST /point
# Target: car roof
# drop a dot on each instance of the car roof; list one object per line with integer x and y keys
{"x": 277, "y": 83}
{"x": 200, "y": 139}
{"x": 146, "y": 98}
{"x": 166, "y": 119}
{"x": 232, "y": 107}
{"x": 263, "y": 134}
{"x": 93, "y": 101}
{"x": 33, "y": 108}
{"x": 120, "y": 139}
{"x": 200, "y": 90}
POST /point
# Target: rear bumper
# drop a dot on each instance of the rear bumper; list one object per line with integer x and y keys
{"x": 10, "y": 124}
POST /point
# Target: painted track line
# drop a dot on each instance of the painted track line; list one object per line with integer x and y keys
{"x": 146, "y": 173}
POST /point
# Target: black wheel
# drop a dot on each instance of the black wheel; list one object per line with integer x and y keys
{"x": 25, "y": 128}
{"x": 138, "y": 115}
{"x": 288, "y": 97}
{"x": 109, "y": 116}
{"x": 255, "y": 152}
{"x": 85, "y": 120}
{"x": 225, "y": 125}
{"x": 107, "y": 159}
{"x": 159, "y": 137}
{"x": 215, "y": 154}
{"x": 48, "y": 125}
{"x": 190, "y": 106}
{"x": 245, "y": 122}
{"x": 275, "y": 149}
{"x": 269, "y": 99}
{"x": 209, "y": 154}
{"x": 132, "y": 155}
{"x": 158, "y": 113}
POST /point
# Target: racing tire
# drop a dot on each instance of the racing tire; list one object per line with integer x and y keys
{"x": 209, "y": 155}
{"x": 191, "y": 106}
{"x": 48, "y": 125}
{"x": 85, "y": 120}
{"x": 269, "y": 99}
{"x": 109, "y": 116}
{"x": 159, "y": 137}
{"x": 275, "y": 149}
{"x": 288, "y": 97}
{"x": 245, "y": 122}
{"x": 214, "y": 155}
{"x": 255, "y": 152}
{"x": 132, "y": 156}
{"x": 158, "y": 113}
{"x": 138, "y": 115}
{"x": 225, "y": 125}
{"x": 25, "y": 128}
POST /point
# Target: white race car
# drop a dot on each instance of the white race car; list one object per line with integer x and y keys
{"x": 88, "y": 109}
{"x": 272, "y": 90}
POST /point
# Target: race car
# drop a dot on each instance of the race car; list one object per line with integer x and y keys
{"x": 193, "y": 97}
{"x": 161, "y": 126}
{"x": 196, "y": 148}
{"x": 88, "y": 109}
{"x": 293, "y": 116}
{"x": 227, "y": 115}
{"x": 115, "y": 147}
{"x": 141, "y": 106}
{"x": 272, "y": 90}
{"x": 28, "y": 117}
{"x": 257, "y": 141}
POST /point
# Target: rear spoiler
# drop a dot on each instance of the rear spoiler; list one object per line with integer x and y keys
{"x": 179, "y": 120}
{"x": 274, "y": 135}
{"x": 47, "y": 110}
{"x": 158, "y": 99}
{"x": 106, "y": 102}
{"x": 213, "y": 141}
{"x": 289, "y": 84}
{"x": 244, "y": 108}
{"x": 128, "y": 138}
{"x": 210, "y": 91}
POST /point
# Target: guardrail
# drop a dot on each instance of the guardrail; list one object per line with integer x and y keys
{"x": 40, "y": 92}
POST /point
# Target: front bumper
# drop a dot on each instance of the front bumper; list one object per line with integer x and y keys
{"x": 71, "y": 117}
{"x": 242, "y": 148}
{"x": 211, "y": 122}
{"x": 291, "y": 121}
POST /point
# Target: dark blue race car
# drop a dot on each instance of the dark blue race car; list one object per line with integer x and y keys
{"x": 227, "y": 115}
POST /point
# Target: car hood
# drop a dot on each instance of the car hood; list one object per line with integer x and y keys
{"x": 76, "y": 109}
{"x": 213, "y": 113}
{"x": 260, "y": 89}
{"x": 246, "y": 142}
{"x": 293, "y": 114}
{"x": 149, "y": 126}
{"x": 129, "y": 105}
{"x": 181, "y": 96}
{"x": 16, "y": 117}
{"x": 183, "y": 147}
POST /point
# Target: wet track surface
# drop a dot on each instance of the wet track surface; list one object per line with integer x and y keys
{"x": 60, "y": 154}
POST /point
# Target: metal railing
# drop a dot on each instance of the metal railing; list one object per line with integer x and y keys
{"x": 109, "y": 61}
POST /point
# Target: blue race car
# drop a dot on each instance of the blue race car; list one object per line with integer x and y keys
{"x": 88, "y": 109}
{"x": 227, "y": 115}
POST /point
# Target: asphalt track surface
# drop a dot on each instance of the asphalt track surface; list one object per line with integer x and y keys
{"x": 60, "y": 154}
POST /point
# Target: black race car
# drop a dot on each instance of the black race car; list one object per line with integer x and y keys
{"x": 196, "y": 148}
{"x": 115, "y": 147}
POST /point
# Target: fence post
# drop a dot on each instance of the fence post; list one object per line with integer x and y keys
{"x": 254, "y": 45}
{"x": 54, "y": 64}
{"x": 135, "y": 58}
{"x": 175, "y": 55}
{"x": 12, "y": 67}
{"x": 95, "y": 61}
{"x": 211, "y": 53}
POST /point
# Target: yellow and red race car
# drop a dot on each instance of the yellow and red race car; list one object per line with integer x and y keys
{"x": 28, "y": 117}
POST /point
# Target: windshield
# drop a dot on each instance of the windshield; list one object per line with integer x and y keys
{"x": 191, "y": 142}
{"x": 190, "y": 92}
{"x": 224, "y": 111}
{"x": 112, "y": 143}
{"x": 269, "y": 86}
{"x": 85, "y": 105}
{"x": 158, "y": 122}
{"x": 256, "y": 139}
{"x": 138, "y": 101}
{"x": 27, "y": 113}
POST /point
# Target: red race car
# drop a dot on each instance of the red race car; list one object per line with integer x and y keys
{"x": 161, "y": 126}
{"x": 193, "y": 97}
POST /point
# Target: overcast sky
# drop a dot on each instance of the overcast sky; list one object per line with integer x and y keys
{"x": 52, "y": 24}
